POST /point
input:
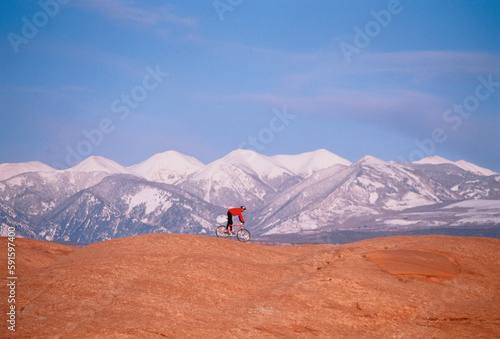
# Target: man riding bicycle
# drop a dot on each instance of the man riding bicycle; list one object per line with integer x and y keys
{"x": 237, "y": 211}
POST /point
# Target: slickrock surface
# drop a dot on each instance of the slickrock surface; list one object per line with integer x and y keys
{"x": 32, "y": 254}
{"x": 185, "y": 286}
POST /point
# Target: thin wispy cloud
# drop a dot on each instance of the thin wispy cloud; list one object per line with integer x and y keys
{"x": 438, "y": 65}
{"x": 133, "y": 12}
{"x": 120, "y": 10}
{"x": 48, "y": 91}
{"x": 268, "y": 54}
{"x": 356, "y": 104}
{"x": 430, "y": 63}
{"x": 75, "y": 88}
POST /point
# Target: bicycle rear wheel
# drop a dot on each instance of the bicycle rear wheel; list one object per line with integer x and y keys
{"x": 243, "y": 235}
{"x": 221, "y": 232}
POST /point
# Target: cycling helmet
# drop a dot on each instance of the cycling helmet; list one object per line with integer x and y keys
{"x": 243, "y": 208}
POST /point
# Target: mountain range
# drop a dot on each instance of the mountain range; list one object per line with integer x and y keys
{"x": 312, "y": 194}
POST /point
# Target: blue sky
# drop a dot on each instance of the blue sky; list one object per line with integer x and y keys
{"x": 126, "y": 79}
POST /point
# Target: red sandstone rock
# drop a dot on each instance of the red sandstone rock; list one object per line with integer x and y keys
{"x": 179, "y": 286}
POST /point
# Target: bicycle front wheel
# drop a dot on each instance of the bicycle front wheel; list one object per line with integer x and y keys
{"x": 221, "y": 232}
{"x": 243, "y": 235}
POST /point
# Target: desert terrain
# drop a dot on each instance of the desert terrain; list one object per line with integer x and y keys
{"x": 186, "y": 286}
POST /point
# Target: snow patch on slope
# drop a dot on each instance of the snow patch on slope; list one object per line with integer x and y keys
{"x": 476, "y": 204}
{"x": 467, "y": 166}
{"x": 409, "y": 200}
{"x": 152, "y": 198}
{"x": 400, "y": 222}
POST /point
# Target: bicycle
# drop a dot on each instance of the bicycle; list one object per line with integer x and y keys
{"x": 241, "y": 233}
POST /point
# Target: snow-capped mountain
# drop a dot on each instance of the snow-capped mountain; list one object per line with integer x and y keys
{"x": 257, "y": 164}
{"x": 9, "y": 170}
{"x": 466, "y": 166}
{"x": 307, "y": 163}
{"x": 310, "y": 193}
{"x": 168, "y": 167}
{"x": 433, "y": 160}
{"x": 99, "y": 164}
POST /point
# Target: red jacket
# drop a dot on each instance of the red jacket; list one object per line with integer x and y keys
{"x": 237, "y": 211}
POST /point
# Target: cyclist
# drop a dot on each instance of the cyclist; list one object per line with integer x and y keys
{"x": 237, "y": 211}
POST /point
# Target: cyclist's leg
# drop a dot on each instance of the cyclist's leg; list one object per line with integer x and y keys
{"x": 229, "y": 226}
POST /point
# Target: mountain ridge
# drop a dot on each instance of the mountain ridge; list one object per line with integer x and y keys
{"x": 8, "y": 170}
{"x": 465, "y": 165}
